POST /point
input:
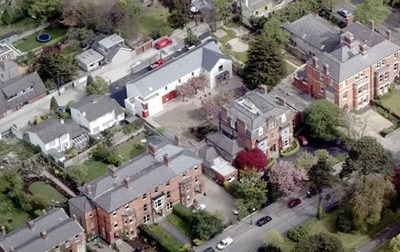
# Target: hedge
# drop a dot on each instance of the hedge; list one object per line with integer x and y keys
{"x": 166, "y": 241}
{"x": 271, "y": 162}
{"x": 292, "y": 150}
{"x": 183, "y": 212}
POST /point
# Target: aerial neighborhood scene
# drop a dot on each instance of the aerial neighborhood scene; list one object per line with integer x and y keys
{"x": 199, "y": 125}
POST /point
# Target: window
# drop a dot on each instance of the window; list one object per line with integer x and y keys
{"x": 359, "y": 90}
{"x": 345, "y": 95}
{"x": 362, "y": 75}
{"x": 156, "y": 189}
{"x": 220, "y": 68}
{"x": 146, "y": 218}
{"x": 378, "y": 65}
{"x": 166, "y": 87}
{"x": 381, "y": 78}
{"x": 383, "y": 62}
{"x": 145, "y": 207}
{"x": 179, "y": 80}
{"x": 167, "y": 184}
{"x": 396, "y": 55}
{"x": 196, "y": 168}
{"x": 127, "y": 206}
{"x": 184, "y": 174}
{"x": 91, "y": 215}
{"x": 386, "y": 75}
{"x": 196, "y": 179}
{"x": 145, "y": 106}
{"x": 158, "y": 203}
{"x": 67, "y": 244}
{"x": 168, "y": 194}
{"x": 169, "y": 206}
{"x": 130, "y": 219}
{"x": 256, "y": 12}
{"x": 77, "y": 238}
{"x": 57, "y": 248}
{"x": 192, "y": 73}
{"x": 115, "y": 213}
{"x": 395, "y": 66}
{"x": 115, "y": 224}
{"x": 145, "y": 196}
{"x": 266, "y": 8}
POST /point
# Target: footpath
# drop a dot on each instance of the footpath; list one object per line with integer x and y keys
{"x": 380, "y": 239}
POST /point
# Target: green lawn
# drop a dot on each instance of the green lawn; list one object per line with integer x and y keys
{"x": 95, "y": 169}
{"x": 180, "y": 224}
{"x": 392, "y": 102}
{"x": 30, "y": 43}
{"x": 22, "y": 149}
{"x": 166, "y": 240}
{"x": 11, "y": 219}
{"x": 229, "y": 36}
{"x": 69, "y": 51}
{"x": 19, "y": 27}
{"x": 153, "y": 20}
{"x": 289, "y": 68}
{"x": 131, "y": 149}
{"x": 52, "y": 196}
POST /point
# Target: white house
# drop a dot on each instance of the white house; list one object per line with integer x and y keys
{"x": 97, "y": 113}
{"x": 89, "y": 60}
{"x": 56, "y": 135}
{"x": 147, "y": 94}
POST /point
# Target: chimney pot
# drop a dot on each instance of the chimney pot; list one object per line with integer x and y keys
{"x": 88, "y": 189}
{"x": 177, "y": 140}
{"x": 349, "y": 20}
{"x": 3, "y": 230}
{"x": 43, "y": 233}
{"x": 315, "y": 62}
{"x": 389, "y": 34}
{"x": 167, "y": 159}
{"x": 363, "y": 49}
{"x": 127, "y": 182}
{"x": 326, "y": 69}
{"x": 74, "y": 216}
{"x": 371, "y": 24}
{"x": 152, "y": 149}
{"x": 30, "y": 223}
{"x": 112, "y": 170}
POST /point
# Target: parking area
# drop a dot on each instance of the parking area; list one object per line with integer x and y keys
{"x": 373, "y": 123}
{"x": 217, "y": 199}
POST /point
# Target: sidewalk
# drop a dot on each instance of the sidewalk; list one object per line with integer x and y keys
{"x": 380, "y": 239}
{"x": 174, "y": 232}
{"x": 58, "y": 182}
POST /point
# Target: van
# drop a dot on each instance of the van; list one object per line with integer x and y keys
{"x": 163, "y": 43}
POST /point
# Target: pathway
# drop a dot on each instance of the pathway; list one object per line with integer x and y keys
{"x": 29, "y": 32}
{"x": 181, "y": 237}
{"x": 380, "y": 239}
{"x": 58, "y": 182}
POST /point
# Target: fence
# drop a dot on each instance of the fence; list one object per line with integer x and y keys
{"x": 78, "y": 159}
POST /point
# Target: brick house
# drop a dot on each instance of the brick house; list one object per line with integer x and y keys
{"x": 53, "y": 231}
{"x": 258, "y": 120}
{"x": 346, "y": 66}
{"x": 142, "y": 191}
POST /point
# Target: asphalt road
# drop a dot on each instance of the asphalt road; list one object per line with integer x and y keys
{"x": 247, "y": 237}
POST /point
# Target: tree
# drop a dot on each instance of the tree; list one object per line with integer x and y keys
{"x": 54, "y": 66}
{"x": 185, "y": 90}
{"x": 76, "y": 12}
{"x": 206, "y": 225}
{"x": 273, "y": 30}
{"x": 305, "y": 160}
{"x": 42, "y": 9}
{"x": 322, "y": 117}
{"x": 178, "y": 13}
{"x": 269, "y": 248}
{"x": 274, "y": 237}
{"x": 375, "y": 10}
{"x": 329, "y": 4}
{"x": 223, "y": 98}
{"x": 191, "y": 38}
{"x": 286, "y": 178}
{"x": 98, "y": 86}
{"x": 80, "y": 37}
{"x": 11, "y": 183}
{"x": 198, "y": 82}
{"x": 248, "y": 159}
{"x": 209, "y": 108}
{"x": 78, "y": 173}
{"x": 366, "y": 199}
{"x": 396, "y": 180}
{"x": 320, "y": 242}
{"x": 265, "y": 65}
{"x": 6, "y": 17}
{"x": 394, "y": 244}
{"x": 321, "y": 177}
{"x": 222, "y": 9}
{"x": 53, "y": 104}
{"x": 367, "y": 156}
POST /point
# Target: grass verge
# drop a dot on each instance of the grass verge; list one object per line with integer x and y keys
{"x": 393, "y": 103}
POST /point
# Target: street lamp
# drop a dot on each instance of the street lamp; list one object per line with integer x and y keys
{"x": 251, "y": 215}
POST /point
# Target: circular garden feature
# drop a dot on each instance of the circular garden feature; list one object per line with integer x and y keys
{"x": 43, "y": 37}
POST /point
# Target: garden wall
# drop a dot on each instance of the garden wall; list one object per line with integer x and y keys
{"x": 78, "y": 159}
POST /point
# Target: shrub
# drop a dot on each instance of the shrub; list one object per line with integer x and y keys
{"x": 344, "y": 222}
{"x": 298, "y": 233}
{"x": 271, "y": 162}
{"x": 386, "y": 131}
{"x": 166, "y": 241}
{"x": 183, "y": 212}
{"x": 291, "y": 150}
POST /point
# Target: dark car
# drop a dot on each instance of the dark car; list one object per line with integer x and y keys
{"x": 264, "y": 220}
{"x": 344, "y": 13}
{"x": 156, "y": 64}
{"x": 294, "y": 203}
{"x": 209, "y": 249}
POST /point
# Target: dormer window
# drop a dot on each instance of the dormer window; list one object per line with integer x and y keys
{"x": 283, "y": 118}
{"x": 260, "y": 131}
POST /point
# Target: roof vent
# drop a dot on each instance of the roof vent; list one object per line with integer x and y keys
{"x": 43, "y": 233}
{"x": 249, "y": 104}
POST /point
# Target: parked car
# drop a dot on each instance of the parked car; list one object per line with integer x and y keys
{"x": 224, "y": 243}
{"x": 344, "y": 13}
{"x": 209, "y": 249}
{"x": 156, "y": 64}
{"x": 163, "y": 43}
{"x": 303, "y": 140}
{"x": 264, "y": 220}
{"x": 294, "y": 203}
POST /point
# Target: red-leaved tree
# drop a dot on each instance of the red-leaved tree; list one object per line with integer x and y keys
{"x": 286, "y": 178}
{"x": 248, "y": 159}
{"x": 185, "y": 90}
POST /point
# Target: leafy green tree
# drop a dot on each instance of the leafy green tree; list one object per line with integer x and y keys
{"x": 321, "y": 177}
{"x": 178, "y": 13}
{"x": 206, "y": 225}
{"x": 297, "y": 9}
{"x": 322, "y": 117}
{"x": 42, "y": 9}
{"x": 366, "y": 199}
{"x": 98, "y": 86}
{"x": 367, "y": 156}
{"x": 269, "y": 248}
{"x": 54, "y": 66}
{"x": 305, "y": 160}
{"x": 376, "y": 10}
{"x": 78, "y": 173}
{"x": 53, "y": 104}
{"x": 7, "y": 17}
{"x": 222, "y": 8}
{"x": 265, "y": 64}
{"x": 320, "y": 242}
{"x": 273, "y": 30}
{"x": 11, "y": 182}
{"x": 80, "y": 37}
{"x": 394, "y": 244}
{"x": 274, "y": 237}
{"x": 329, "y": 4}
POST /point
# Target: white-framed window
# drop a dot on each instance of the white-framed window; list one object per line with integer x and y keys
{"x": 146, "y": 218}
{"x": 168, "y": 194}
{"x": 77, "y": 238}
{"x": 115, "y": 224}
{"x": 145, "y": 207}
{"x": 196, "y": 178}
{"x": 115, "y": 213}
{"x": 67, "y": 244}
{"x": 57, "y": 248}
{"x": 383, "y": 62}
{"x": 184, "y": 174}
{"x": 126, "y": 206}
{"x": 156, "y": 189}
{"x": 381, "y": 78}
{"x": 167, "y": 184}
{"x": 196, "y": 168}
{"x": 396, "y": 55}
{"x": 169, "y": 206}
{"x": 378, "y": 65}
{"x": 145, "y": 196}
{"x": 396, "y": 66}
{"x": 158, "y": 203}
{"x": 345, "y": 95}
{"x": 91, "y": 215}
{"x": 386, "y": 75}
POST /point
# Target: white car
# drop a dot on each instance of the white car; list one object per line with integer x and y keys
{"x": 224, "y": 243}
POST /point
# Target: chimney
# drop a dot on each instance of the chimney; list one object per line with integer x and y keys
{"x": 247, "y": 3}
{"x": 12, "y": 249}
{"x": 127, "y": 182}
{"x": 152, "y": 149}
{"x": 263, "y": 89}
{"x": 363, "y": 49}
{"x": 325, "y": 69}
{"x": 3, "y": 230}
{"x": 112, "y": 170}
{"x": 389, "y": 34}
{"x": 88, "y": 189}
{"x": 371, "y": 24}
{"x": 167, "y": 159}
{"x": 348, "y": 38}
{"x": 177, "y": 140}
{"x": 43, "y": 233}
{"x": 30, "y": 224}
{"x": 74, "y": 216}
{"x": 349, "y": 20}
{"x": 315, "y": 62}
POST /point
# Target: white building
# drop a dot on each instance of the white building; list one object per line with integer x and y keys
{"x": 147, "y": 94}
{"x": 97, "y": 113}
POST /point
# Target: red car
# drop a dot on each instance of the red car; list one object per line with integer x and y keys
{"x": 294, "y": 203}
{"x": 163, "y": 43}
{"x": 156, "y": 64}
{"x": 303, "y": 140}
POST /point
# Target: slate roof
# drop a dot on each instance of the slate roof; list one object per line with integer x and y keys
{"x": 52, "y": 129}
{"x": 145, "y": 172}
{"x": 205, "y": 56}
{"x": 6, "y": 65}
{"x": 82, "y": 203}
{"x": 96, "y": 106}
{"x": 4, "y": 49}
{"x": 58, "y": 226}
{"x": 224, "y": 144}
{"x": 18, "y": 84}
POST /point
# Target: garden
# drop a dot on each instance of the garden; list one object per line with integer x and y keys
{"x": 44, "y": 189}
{"x": 154, "y": 22}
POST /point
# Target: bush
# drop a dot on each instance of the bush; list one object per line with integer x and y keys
{"x": 271, "y": 162}
{"x": 292, "y": 150}
{"x": 386, "y": 131}
{"x": 344, "y": 222}
{"x": 197, "y": 242}
{"x": 183, "y": 212}
{"x": 298, "y": 233}
{"x": 165, "y": 240}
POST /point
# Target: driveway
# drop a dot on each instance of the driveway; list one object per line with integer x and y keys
{"x": 217, "y": 200}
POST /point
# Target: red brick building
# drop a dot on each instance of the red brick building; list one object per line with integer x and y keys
{"x": 142, "y": 191}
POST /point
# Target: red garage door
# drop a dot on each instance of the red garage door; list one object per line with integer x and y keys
{"x": 171, "y": 95}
